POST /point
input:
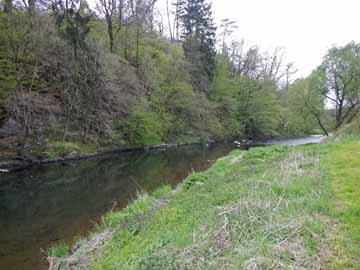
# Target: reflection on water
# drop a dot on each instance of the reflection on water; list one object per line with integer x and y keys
{"x": 45, "y": 205}
{"x": 297, "y": 141}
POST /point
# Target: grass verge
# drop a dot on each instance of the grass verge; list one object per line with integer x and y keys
{"x": 267, "y": 208}
{"x": 342, "y": 167}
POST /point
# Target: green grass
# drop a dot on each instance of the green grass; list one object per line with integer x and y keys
{"x": 62, "y": 149}
{"x": 267, "y": 208}
{"x": 342, "y": 167}
{"x": 258, "y": 209}
{"x": 59, "y": 251}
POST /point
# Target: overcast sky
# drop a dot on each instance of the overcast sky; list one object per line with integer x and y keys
{"x": 305, "y": 28}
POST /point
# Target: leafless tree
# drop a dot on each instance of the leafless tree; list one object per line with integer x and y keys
{"x": 108, "y": 8}
{"x": 272, "y": 65}
{"x": 168, "y": 18}
{"x": 290, "y": 70}
{"x": 141, "y": 16}
{"x": 228, "y": 27}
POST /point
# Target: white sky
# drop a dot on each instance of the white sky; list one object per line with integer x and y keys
{"x": 305, "y": 28}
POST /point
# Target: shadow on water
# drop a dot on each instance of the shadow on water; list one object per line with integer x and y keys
{"x": 39, "y": 207}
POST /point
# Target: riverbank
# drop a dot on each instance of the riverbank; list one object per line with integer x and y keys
{"x": 71, "y": 153}
{"x": 68, "y": 152}
{"x": 273, "y": 207}
{"x": 17, "y": 163}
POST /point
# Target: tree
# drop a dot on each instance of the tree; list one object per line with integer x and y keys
{"x": 168, "y": 18}
{"x": 8, "y": 5}
{"x": 338, "y": 80}
{"x": 176, "y": 26}
{"x": 31, "y": 6}
{"x": 108, "y": 8}
{"x": 72, "y": 24}
{"x": 228, "y": 28}
{"x": 289, "y": 72}
{"x": 272, "y": 65}
{"x": 258, "y": 109}
{"x": 314, "y": 103}
{"x": 198, "y": 31}
{"x": 304, "y": 108}
{"x": 140, "y": 17}
{"x": 19, "y": 43}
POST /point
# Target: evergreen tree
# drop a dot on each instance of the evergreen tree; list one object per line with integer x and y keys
{"x": 198, "y": 32}
{"x": 72, "y": 23}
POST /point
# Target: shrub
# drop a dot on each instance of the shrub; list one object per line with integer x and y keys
{"x": 144, "y": 126}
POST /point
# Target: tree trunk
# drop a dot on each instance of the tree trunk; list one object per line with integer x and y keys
{"x": 168, "y": 17}
{"x": 126, "y": 43}
{"x": 111, "y": 36}
{"x": 31, "y": 8}
{"x": 339, "y": 115}
{"x": 322, "y": 126}
{"x": 137, "y": 42}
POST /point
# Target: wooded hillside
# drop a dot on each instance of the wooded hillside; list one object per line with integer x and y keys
{"x": 122, "y": 74}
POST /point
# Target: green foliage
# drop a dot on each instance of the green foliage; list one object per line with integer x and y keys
{"x": 59, "y": 250}
{"x": 158, "y": 262}
{"x": 199, "y": 44}
{"x": 149, "y": 90}
{"x": 62, "y": 149}
{"x": 195, "y": 178}
{"x": 17, "y": 46}
{"x": 246, "y": 107}
{"x": 350, "y": 130}
{"x": 223, "y": 95}
{"x": 258, "y": 108}
{"x": 338, "y": 80}
{"x": 304, "y": 106}
{"x": 72, "y": 23}
{"x": 130, "y": 214}
{"x": 144, "y": 126}
{"x": 161, "y": 192}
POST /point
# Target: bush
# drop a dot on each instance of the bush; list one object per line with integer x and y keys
{"x": 144, "y": 126}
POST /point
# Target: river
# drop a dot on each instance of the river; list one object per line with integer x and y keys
{"x": 45, "y": 205}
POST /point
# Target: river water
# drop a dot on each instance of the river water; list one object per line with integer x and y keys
{"x": 42, "y": 206}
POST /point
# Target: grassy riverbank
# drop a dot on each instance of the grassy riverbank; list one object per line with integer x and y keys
{"x": 267, "y": 208}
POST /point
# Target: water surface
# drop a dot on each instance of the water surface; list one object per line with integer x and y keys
{"x": 41, "y": 206}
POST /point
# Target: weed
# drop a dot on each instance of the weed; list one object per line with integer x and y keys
{"x": 59, "y": 250}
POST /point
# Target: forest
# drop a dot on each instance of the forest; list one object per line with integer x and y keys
{"x": 77, "y": 77}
